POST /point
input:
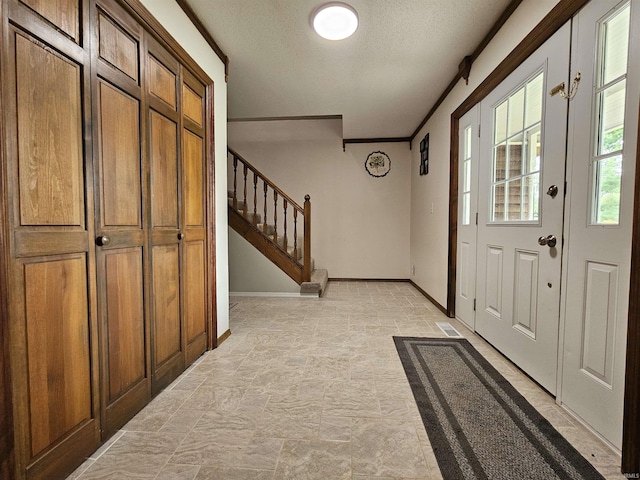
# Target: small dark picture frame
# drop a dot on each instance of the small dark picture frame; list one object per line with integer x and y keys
{"x": 424, "y": 155}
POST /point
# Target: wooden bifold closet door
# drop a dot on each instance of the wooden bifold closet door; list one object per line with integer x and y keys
{"x": 108, "y": 222}
{"x": 121, "y": 235}
{"x": 52, "y": 290}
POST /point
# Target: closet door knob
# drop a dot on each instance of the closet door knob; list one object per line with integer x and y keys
{"x": 180, "y": 236}
{"x": 103, "y": 241}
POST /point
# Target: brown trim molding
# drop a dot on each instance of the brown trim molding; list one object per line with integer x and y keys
{"x": 631, "y": 417}
{"x": 467, "y": 62}
{"x": 223, "y": 337}
{"x": 502, "y": 19}
{"x": 345, "y": 141}
{"x": 206, "y": 35}
{"x": 430, "y": 298}
{"x": 386, "y": 280}
{"x": 278, "y": 119}
{"x": 7, "y": 458}
{"x": 212, "y": 318}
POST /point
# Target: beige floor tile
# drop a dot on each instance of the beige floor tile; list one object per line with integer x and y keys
{"x": 313, "y": 460}
{"x": 178, "y": 472}
{"x": 227, "y": 473}
{"x": 387, "y": 447}
{"x": 308, "y": 389}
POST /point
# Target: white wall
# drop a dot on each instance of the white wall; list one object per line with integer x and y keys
{"x": 252, "y": 272}
{"x": 171, "y": 16}
{"x": 360, "y": 224}
{"x": 430, "y": 229}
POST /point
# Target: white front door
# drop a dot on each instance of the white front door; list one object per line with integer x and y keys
{"x": 522, "y": 157}
{"x": 601, "y": 166}
{"x": 468, "y": 154}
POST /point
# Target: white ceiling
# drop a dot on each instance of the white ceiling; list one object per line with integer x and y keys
{"x": 383, "y": 80}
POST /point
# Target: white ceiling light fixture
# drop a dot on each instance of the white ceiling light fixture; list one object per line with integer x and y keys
{"x": 335, "y": 20}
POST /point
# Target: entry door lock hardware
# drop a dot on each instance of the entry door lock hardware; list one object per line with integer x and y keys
{"x": 550, "y": 241}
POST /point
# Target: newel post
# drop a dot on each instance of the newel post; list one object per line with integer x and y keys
{"x": 307, "y": 239}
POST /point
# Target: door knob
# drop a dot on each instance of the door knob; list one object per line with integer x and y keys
{"x": 552, "y": 191}
{"x": 103, "y": 240}
{"x": 550, "y": 241}
{"x": 180, "y": 236}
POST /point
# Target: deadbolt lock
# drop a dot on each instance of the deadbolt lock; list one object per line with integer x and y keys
{"x": 552, "y": 191}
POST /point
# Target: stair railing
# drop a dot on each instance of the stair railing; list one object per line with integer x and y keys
{"x": 271, "y": 199}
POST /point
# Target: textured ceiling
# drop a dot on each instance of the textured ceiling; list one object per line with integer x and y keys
{"x": 383, "y": 80}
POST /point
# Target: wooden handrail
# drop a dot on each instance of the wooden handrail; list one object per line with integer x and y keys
{"x": 280, "y": 203}
{"x": 266, "y": 179}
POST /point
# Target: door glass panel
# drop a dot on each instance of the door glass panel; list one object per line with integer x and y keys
{"x": 501, "y": 122}
{"x": 609, "y": 174}
{"x": 516, "y": 112}
{"x": 615, "y": 39}
{"x": 611, "y": 118}
{"x": 516, "y": 154}
{"x": 498, "y": 209}
{"x": 533, "y": 145}
{"x": 609, "y": 92}
{"x": 531, "y": 196}
{"x": 500, "y": 162}
{"x": 514, "y": 204}
{"x": 467, "y": 176}
{"x": 466, "y": 208}
{"x": 533, "y": 105}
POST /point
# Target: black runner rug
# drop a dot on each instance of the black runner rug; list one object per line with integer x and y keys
{"x": 479, "y": 426}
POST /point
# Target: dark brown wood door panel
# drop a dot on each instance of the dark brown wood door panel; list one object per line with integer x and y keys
{"x": 164, "y": 173}
{"x": 195, "y": 304}
{"x": 52, "y": 312}
{"x": 56, "y": 306}
{"x": 63, "y": 14}
{"x": 194, "y": 183}
{"x": 167, "y": 340}
{"x": 119, "y": 160}
{"x": 166, "y": 305}
{"x": 120, "y": 218}
{"x": 123, "y": 274}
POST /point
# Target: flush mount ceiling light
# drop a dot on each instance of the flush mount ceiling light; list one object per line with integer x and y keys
{"x": 335, "y": 20}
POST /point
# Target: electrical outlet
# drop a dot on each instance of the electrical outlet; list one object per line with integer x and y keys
{"x": 432, "y": 208}
{"x": 413, "y": 269}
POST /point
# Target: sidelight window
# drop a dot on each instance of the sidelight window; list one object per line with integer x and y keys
{"x": 466, "y": 178}
{"x": 610, "y": 90}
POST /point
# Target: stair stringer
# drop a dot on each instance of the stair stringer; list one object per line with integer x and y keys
{"x": 265, "y": 246}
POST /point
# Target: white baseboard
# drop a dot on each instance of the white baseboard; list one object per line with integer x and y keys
{"x": 274, "y": 294}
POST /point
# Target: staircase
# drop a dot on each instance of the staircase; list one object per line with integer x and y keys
{"x": 274, "y": 224}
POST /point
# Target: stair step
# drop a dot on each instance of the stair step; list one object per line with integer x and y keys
{"x": 269, "y": 229}
{"x": 318, "y": 283}
{"x": 249, "y": 217}
{"x": 290, "y": 246}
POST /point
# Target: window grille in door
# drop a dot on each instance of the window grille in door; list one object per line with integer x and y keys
{"x": 466, "y": 178}
{"x": 516, "y": 162}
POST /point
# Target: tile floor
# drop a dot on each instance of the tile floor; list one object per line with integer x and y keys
{"x": 306, "y": 389}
